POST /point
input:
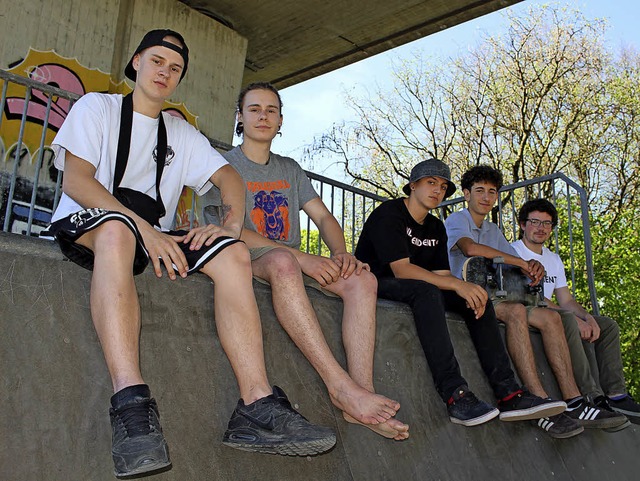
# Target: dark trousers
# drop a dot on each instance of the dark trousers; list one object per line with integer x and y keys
{"x": 429, "y": 304}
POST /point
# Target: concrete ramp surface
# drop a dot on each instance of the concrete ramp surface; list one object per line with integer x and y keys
{"x": 55, "y": 391}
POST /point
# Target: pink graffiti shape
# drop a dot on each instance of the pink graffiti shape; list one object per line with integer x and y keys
{"x": 175, "y": 113}
{"x": 51, "y": 74}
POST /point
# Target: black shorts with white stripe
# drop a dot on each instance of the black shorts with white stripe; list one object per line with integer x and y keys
{"x": 197, "y": 259}
{"x": 67, "y": 230}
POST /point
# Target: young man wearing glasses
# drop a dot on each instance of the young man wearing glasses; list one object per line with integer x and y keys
{"x": 470, "y": 235}
{"x": 589, "y": 337}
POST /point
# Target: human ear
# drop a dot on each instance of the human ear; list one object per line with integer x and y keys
{"x": 135, "y": 62}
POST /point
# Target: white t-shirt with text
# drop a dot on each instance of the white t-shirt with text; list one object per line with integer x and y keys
{"x": 555, "y": 276}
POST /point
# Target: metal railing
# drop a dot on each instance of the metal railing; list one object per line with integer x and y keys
{"x": 28, "y": 199}
{"x": 27, "y": 206}
{"x": 348, "y": 204}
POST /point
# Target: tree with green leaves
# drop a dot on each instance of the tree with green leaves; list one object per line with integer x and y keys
{"x": 547, "y": 95}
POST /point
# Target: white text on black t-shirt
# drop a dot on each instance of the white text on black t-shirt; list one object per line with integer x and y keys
{"x": 421, "y": 242}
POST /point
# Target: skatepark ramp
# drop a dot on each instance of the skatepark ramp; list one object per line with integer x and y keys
{"x": 55, "y": 392}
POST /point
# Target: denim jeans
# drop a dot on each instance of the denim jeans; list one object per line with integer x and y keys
{"x": 429, "y": 304}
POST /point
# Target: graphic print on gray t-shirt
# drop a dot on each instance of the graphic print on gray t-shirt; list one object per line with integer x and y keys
{"x": 276, "y": 192}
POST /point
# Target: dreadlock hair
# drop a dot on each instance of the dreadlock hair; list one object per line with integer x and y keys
{"x": 243, "y": 94}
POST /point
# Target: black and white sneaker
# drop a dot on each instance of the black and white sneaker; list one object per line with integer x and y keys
{"x": 590, "y": 416}
{"x": 627, "y": 406}
{"x": 466, "y": 409}
{"x": 560, "y": 426}
{"x": 270, "y": 425}
{"x": 138, "y": 445}
{"x": 601, "y": 402}
{"x": 523, "y": 406}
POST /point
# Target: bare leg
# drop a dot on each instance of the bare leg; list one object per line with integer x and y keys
{"x": 556, "y": 349}
{"x": 295, "y": 313}
{"x": 359, "y": 296}
{"x": 238, "y": 321}
{"x": 114, "y": 301}
{"x": 514, "y": 316}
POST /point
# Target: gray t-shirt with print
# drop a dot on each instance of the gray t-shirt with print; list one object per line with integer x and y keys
{"x": 275, "y": 194}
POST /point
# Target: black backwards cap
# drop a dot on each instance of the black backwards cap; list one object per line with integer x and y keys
{"x": 431, "y": 168}
{"x": 156, "y": 38}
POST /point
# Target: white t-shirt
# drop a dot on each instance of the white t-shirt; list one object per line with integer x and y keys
{"x": 555, "y": 276}
{"x": 91, "y": 131}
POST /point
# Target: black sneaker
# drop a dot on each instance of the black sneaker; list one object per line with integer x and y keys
{"x": 138, "y": 445}
{"x": 627, "y": 406}
{"x": 523, "y": 406}
{"x": 270, "y": 425}
{"x": 466, "y": 409}
{"x": 560, "y": 426}
{"x": 590, "y": 416}
{"x": 601, "y": 402}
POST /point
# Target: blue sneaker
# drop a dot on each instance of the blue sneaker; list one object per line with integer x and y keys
{"x": 466, "y": 409}
{"x": 627, "y": 406}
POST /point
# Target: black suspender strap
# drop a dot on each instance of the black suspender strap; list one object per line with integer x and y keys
{"x": 161, "y": 158}
{"x": 124, "y": 144}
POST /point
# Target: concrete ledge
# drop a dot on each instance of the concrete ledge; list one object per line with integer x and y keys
{"x": 55, "y": 391}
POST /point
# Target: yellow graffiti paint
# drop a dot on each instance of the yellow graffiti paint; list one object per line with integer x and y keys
{"x": 67, "y": 74}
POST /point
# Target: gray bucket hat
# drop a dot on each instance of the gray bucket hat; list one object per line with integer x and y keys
{"x": 430, "y": 168}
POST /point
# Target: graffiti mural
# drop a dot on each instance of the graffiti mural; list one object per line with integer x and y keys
{"x": 30, "y": 166}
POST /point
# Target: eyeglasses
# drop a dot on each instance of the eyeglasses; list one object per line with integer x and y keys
{"x": 544, "y": 223}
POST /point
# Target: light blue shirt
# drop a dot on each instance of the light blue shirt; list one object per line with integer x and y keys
{"x": 459, "y": 225}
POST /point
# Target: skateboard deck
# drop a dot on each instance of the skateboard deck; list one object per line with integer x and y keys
{"x": 502, "y": 281}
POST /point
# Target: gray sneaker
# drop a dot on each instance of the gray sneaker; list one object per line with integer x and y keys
{"x": 560, "y": 426}
{"x": 138, "y": 445}
{"x": 270, "y": 425}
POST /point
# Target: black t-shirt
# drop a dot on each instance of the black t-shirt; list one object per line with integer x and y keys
{"x": 391, "y": 234}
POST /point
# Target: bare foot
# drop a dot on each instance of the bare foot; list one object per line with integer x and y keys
{"x": 364, "y": 406}
{"x": 391, "y": 428}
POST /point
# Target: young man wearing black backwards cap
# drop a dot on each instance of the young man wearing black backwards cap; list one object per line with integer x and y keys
{"x": 406, "y": 247}
{"x": 115, "y": 216}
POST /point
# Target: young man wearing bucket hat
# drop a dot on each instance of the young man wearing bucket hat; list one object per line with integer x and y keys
{"x": 406, "y": 247}
{"x": 115, "y": 216}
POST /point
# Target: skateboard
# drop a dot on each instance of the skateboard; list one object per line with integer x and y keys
{"x": 503, "y": 281}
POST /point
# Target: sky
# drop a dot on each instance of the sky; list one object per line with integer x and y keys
{"x": 312, "y": 107}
